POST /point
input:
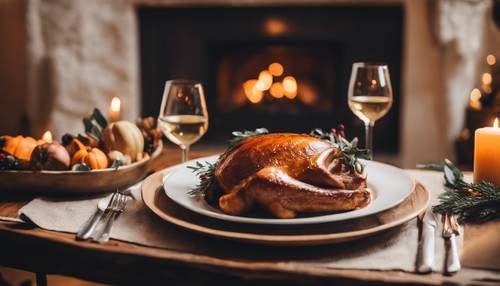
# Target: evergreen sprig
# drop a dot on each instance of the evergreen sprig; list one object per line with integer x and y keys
{"x": 470, "y": 202}
{"x": 206, "y": 172}
{"x": 350, "y": 151}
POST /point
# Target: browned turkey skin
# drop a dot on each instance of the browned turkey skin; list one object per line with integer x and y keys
{"x": 288, "y": 173}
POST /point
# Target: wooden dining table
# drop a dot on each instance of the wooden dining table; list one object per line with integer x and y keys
{"x": 25, "y": 246}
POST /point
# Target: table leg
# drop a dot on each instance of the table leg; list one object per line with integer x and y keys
{"x": 41, "y": 279}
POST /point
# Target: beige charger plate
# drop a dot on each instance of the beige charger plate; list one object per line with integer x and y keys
{"x": 76, "y": 182}
{"x": 325, "y": 233}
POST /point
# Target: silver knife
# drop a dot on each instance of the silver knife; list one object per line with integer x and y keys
{"x": 426, "y": 245}
{"x": 450, "y": 231}
{"x": 89, "y": 227}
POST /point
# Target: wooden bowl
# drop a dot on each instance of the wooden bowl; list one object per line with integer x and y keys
{"x": 76, "y": 182}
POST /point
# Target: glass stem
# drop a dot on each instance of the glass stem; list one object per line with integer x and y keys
{"x": 185, "y": 153}
{"x": 369, "y": 138}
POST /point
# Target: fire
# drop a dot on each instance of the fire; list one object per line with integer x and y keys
{"x": 254, "y": 88}
{"x": 47, "y": 136}
{"x": 276, "y": 69}
{"x": 251, "y": 91}
{"x": 266, "y": 79}
{"x": 277, "y": 90}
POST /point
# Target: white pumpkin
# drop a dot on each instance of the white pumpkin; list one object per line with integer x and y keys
{"x": 125, "y": 137}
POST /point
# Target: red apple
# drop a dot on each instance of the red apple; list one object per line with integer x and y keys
{"x": 50, "y": 156}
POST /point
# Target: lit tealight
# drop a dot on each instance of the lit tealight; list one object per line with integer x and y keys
{"x": 276, "y": 69}
{"x": 491, "y": 60}
{"x": 47, "y": 136}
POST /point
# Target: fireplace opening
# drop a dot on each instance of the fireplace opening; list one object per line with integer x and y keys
{"x": 274, "y": 85}
{"x": 283, "y": 68}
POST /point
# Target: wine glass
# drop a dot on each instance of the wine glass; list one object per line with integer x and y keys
{"x": 183, "y": 115}
{"x": 370, "y": 96}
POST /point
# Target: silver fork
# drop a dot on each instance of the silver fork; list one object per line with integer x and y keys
{"x": 450, "y": 231}
{"x": 117, "y": 207}
{"x": 89, "y": 227}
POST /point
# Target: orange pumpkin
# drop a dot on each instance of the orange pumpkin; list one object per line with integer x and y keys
{"x": 19, "y": 146}
{"x": 92, "y": 157}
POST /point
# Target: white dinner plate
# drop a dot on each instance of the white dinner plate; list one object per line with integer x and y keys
{"x": 389, "y": 185}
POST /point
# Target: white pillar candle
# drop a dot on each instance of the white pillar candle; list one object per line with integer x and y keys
{"x": 115, "y": 109}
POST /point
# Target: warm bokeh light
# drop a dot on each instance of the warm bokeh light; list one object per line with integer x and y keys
{"x": 475, "y": 95}
{"x": 47, "y": 136}
{"x": 251, "y": 91}
{"x": 276, "y": 69}
{"x": 265, "y": 80}
{"x": 277, "y": 90}
{"x": 290, "y": 84}
{"x": 495, "y": 123}
{"x": 260, "y": 85}
{"x": 491, "y": 60}
{"x": 291, "y": 94}
{"x": 486, "y": 78}
{"x": 115, "y": 104}
{"x": 486, "y": 88}
{"x": 275, "y": 26}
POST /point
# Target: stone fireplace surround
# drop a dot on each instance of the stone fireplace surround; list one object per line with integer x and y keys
{"x": 74, "y": 55}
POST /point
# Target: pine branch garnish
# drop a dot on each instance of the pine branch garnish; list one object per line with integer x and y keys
{"x": 206, "y": 172}
{"x": 350, "y": 151}
{"x": 470, "y": 202}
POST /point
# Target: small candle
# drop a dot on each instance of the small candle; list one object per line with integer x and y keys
{"x": 115, "y": 109}
{"x": 47, "y": 136}
{"x": 487, "y": 154}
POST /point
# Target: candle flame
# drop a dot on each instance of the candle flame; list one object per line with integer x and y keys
{"x": 115, "y": 104}
{"x": 47, "y": 136}
{"x": 495, "y": 123}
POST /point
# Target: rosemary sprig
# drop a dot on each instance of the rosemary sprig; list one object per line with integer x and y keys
{"x": 206, "y": 172}
{"x": 350, "y": 151}
{"x": 470, "y": 202}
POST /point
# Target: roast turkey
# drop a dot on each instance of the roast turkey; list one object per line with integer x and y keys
{"x": 287, "y": 174}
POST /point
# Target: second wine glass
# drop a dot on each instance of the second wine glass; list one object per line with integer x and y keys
{"x": 183, "y": 114}
{"x": 370, "y": 96}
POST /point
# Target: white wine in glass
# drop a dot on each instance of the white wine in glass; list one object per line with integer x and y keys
{"x": 183, "y": 129}
{"x": 370, "y": 96}
{"x": 183, "y": 115}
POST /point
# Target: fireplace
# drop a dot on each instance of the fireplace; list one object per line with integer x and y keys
{"x": 284, "y": 68}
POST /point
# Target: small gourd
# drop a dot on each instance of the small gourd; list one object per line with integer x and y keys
{"x": 125, "y": 137}
{"x": 92, "y": 157}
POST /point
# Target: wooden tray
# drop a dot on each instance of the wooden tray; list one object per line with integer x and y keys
{"x": 75, "y": 182}
{"x": 155, "y": 199}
